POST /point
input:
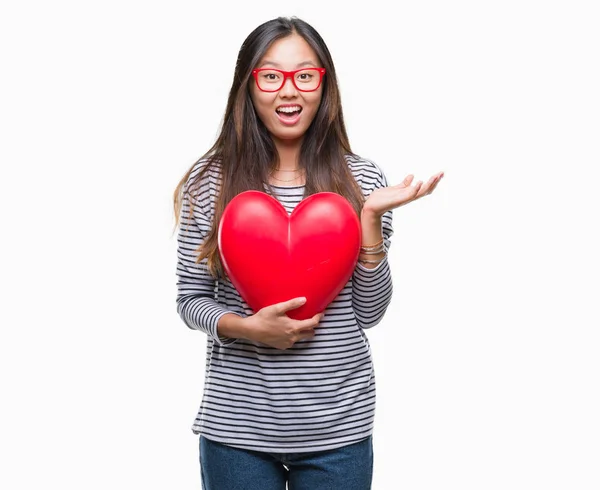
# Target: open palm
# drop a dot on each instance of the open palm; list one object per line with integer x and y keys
{"x": 387, "y": 198}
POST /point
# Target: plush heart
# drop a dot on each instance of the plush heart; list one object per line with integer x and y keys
{"x": 271, "y": 256}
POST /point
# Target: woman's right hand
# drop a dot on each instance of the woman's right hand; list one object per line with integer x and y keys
{"x": 271, "y": 326}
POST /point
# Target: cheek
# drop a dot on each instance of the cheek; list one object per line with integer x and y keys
{"x": 314, "y": 104}
{"x": 263, "y": 104}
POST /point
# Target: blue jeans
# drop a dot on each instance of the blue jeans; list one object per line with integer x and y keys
{"x": 227, "y": 468}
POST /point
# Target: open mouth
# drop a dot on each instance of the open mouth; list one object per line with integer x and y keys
{"x": 289, "y": 113}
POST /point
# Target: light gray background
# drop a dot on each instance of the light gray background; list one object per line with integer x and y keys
{"x": 487, "y": 360}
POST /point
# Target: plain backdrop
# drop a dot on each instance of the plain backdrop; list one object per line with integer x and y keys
{"x": 487, "y": 360}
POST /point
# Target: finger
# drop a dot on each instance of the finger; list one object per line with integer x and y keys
{"x": 417, "y": 188}
{"x": 407, "y": 181}
{"x": 423, "y": 191}
{"x": 439, "y": 177}
{"x": 434, "y": 185}
{"x": 306, "y": 334}
{"x": 310, "y": 323}
{"x": 291, "y": 304}
{"x": 427, "y": 188}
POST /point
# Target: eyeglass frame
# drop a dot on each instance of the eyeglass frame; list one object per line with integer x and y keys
{"x": 286, "y": 75}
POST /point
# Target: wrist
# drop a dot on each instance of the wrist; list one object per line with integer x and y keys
{"x": 369, "y": 216}
{"x": 370, "y": 224}
{"x": 232, "y": 326}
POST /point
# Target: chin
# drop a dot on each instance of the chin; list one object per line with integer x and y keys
{"x": 290, "y": 135}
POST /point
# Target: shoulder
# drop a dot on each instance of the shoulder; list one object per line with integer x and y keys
{"x": 204, "y": 171}
{"x": 367, "y": 173}
{"x": 203, "y": 183}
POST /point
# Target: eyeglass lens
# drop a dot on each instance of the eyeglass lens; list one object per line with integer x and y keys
{"x": 272, "y": 80}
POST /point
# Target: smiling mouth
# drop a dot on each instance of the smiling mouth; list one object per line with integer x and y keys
{"x": 291, "y": 112}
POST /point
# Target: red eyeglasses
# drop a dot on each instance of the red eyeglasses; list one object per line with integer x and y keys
{"x": 272, "y": 80}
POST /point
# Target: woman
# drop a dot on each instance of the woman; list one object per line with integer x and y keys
{"x": 284, "y": 399}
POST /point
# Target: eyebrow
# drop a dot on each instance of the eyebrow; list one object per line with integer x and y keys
{"x": 277, "y": 65}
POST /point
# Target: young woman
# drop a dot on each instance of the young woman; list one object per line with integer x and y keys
{"x": 285, "y": 400}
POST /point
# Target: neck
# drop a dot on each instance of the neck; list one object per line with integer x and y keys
{"x": 288, "y": 152}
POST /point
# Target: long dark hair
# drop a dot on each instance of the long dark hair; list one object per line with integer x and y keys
{"x": 244, "y": 152}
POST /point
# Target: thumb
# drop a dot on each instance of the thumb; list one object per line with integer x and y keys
{"x": 290, "y": 304}
{"x": 406, "y": 182}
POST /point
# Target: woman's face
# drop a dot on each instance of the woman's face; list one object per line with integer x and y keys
{"x": 287, "y": 113}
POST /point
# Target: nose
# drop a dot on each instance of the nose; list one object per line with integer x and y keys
{"x": 288, "y": 89}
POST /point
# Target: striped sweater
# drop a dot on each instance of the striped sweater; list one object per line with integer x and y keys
{"x": 317, "y": 395}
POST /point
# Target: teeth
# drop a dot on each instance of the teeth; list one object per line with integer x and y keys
{"x": 289, "y": 109}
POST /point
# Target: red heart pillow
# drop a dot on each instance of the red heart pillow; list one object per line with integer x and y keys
{"x": 271, "y": 256}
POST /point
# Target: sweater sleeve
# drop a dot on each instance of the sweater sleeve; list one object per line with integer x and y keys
{"x": 196, "y": 288}
{"x": 372, "y": 288}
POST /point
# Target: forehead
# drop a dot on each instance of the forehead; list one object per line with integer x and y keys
{"x": 289, "y": 53}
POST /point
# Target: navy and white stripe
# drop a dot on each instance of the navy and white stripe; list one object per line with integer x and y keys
{"x": 317, "y": 395}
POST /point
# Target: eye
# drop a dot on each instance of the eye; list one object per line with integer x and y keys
{"x": 270, "y": 76}
{"x": 309, "y": 78}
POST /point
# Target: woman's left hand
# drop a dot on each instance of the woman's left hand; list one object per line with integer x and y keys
{"x": 387, "y": 198}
